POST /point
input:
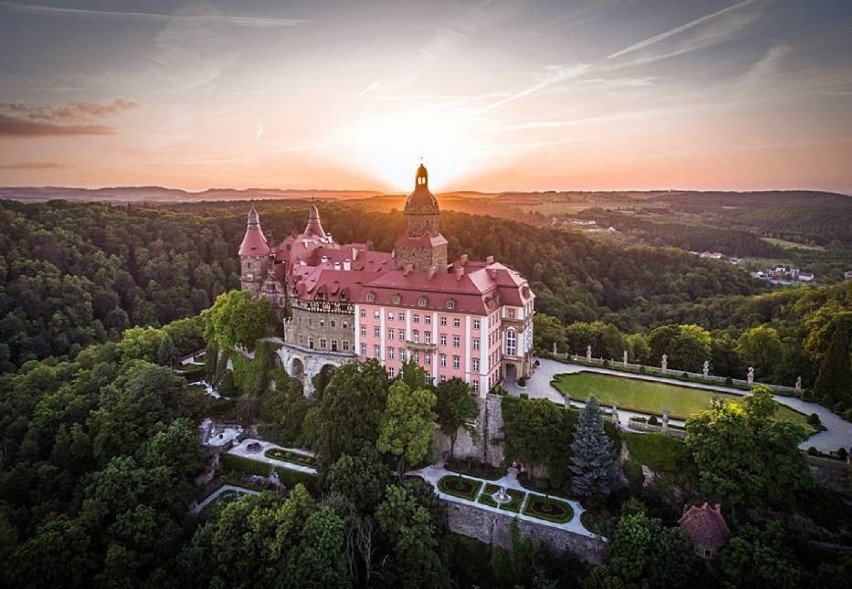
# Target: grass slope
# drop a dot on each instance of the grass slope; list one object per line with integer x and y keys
{"x": 647, "y": 396}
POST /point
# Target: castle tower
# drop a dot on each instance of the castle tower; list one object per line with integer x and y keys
{"x": 421, "y": 246}
{"x": 314, "y": 227}
{"x": 254, "y": 255}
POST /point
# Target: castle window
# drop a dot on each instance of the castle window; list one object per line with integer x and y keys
{"x": 443, "y": 339}
{"x": 390, "y": 372}
{"x": 377, "y": 351}
{"x": 476, "y": 323}
{"x": 390, "y": 315}
{"x": 475, "y": 384}
{"x": 428, "y": 319}
{"x": 421, "y": 302}
{"x": 377, "y": 314}
{"x": 511, "y": 343}
{"x": 390, "y": 353}
{"x": 396, "y": 299}
{"x": 416, "y": 335}
{"x": 427, "y": 335}
{"x": 363, "y": 313}
{"x": 334, "y": 345}
{"x": 390, "y": 333}
{"x": 451, "y": 304}
{"x": 416, "y": 356}
{"x": 333, "y": 323}
{"x": 443, "y": 319}
{"x": 346, "y": 345}
{"x": 363, "y": 349}
{"x": 511, "y": 313}
{"x": 371, "y": 297}
{"x": 476, "y": 343}
{"x": 322, "y": 322}
{"x": 401, "y": 335}
{"x": 456, "y": 322}
{"x": 363, "y": 331}
{"x": 442, "y": 360}
{"x": 428, "y": 358}
{"x": 475, "y": 365}
{"x": 322, "y": 343}
{"x": 311, "y": 343}
{"x": 456, "y": 361}
{"x": 456, "y": 341}
{"x": 443, "y": 378}
{"x": 377, "y": 332}
{"x": 345, "y": 325}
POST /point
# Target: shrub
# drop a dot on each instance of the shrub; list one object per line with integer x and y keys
{"x": 606, "y": 363}
{"x": 642, "y": 370}
{"x": 525, "y": 395}
{"x": 842, "y": 453}
{"x": 522, "y": 382}
{"x": 813, "y": 451}
{"x": 729, "y": 381}
{"x": 813, "y": 419}
{"x": 807, "y": 395}
{"x": 685, "y": 375}
{"x": 653, "y": 420}
{"x": 226, "y": 385}
{"x": 847, "y": 415}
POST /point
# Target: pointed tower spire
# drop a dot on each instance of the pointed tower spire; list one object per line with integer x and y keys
{"x": 254, "y": 243}
{"x": 314, "y": 227}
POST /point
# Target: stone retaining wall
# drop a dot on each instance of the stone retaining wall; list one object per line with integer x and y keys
{"x": 481, "y": 444}
{"x": 495, "y": 528}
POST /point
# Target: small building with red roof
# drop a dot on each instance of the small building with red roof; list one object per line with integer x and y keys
{"x": 707, "y": 529}
{"x": 465, "y": 319}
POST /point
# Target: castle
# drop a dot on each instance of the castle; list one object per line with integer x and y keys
{"x": 466, "y": 319}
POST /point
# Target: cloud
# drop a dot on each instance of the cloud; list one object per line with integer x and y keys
{"x": 555, "y": 75}
{"x": 707, "y": 30}
{"x": 21, "y": 120}
{"x": 23, "y": 128}
{"x": 33, "y": 166}
{"x": 239, "y": 21}
{"x": 75, "y": 111}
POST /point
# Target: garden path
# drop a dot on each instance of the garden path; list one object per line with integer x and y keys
{"x": 242, "y": 450}
{"x": 212, "y": 496}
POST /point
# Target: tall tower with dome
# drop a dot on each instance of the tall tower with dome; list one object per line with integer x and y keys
{"x": 421, "y": 247}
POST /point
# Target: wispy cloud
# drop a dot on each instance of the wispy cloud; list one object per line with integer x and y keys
{"x": 32, "y": 166}
{"x": 452, "y": 36}
{"x": 699, "y": 33}
{"x": 555, "y": 74}
{"x": 239, "y": 21}
{"x": 22, "y": 120}
{"x": 12, "y": 127}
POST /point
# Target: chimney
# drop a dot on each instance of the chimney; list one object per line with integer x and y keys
{"x": 407, "y": 269}
{"x": 337, "y": 265}
{"x": 459, "y": 272}
{"x": 489, "y": 260}
{"x": 463, "y": 259}
{"x": 432, "y": 271}
{"x": 354, "y": 253}
{"x": 347, "y": 265}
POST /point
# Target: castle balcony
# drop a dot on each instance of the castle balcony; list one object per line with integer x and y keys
{"x": 412, "y": 345}
{"x": 323, "y": 306}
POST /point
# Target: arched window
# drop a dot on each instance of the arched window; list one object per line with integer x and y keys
{"x": 421, "y": 302}
{"x": 371, "y": 297}
{"x": 451, "y": 304}
{"x": 511, "y": 343}
{"x": 396, "y": 299}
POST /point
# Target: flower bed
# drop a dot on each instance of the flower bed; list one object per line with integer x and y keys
{"x": 514, "y": 505}
{"x": 459, "y": 486}
{"x": 548, "y": 509}
{"x": 288, "y": 456}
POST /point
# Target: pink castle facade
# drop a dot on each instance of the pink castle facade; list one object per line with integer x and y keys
{"x": 466, "y": 319}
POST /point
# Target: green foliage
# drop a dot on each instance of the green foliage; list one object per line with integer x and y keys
{"x": 644, "y": 553}
{"x": 759, "y": 558}
{"x": 319, "y": 560}
{"x": 362, "y": 479}
{"x": 834, "y": 382}
{"x": 454, "y": 408}
{"x": 592, "y": 454}
{"x": 236, "y": 319}
{"x": 407, "y": 424}
{"x": 744, "y": 456}
{"x": 349, "y": 415}
{"x": 167, "y": 354}
{"x": 141, "y": 343}
{"x": 660, "y": 453}
{"x": 761, "y": 348}
{"x": 526, "y": 422}
{"x": 687, "y": 346}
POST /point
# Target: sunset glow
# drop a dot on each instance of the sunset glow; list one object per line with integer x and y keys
{"x": 493, "y": 95}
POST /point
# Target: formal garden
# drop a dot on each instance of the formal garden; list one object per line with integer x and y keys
{"x": 459, "y": 486}
{"x": 548, "y": 509}
{"x": 511, "y": 500}
{"x": 212, "y": 509}
{"x": 644, "y": 396}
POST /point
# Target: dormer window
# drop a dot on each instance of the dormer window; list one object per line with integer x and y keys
{"x": 421, "y": 302}
{"x": 396, "y": 299}
{"x": 371, "y": 297}
{"x": 451, "y": 304}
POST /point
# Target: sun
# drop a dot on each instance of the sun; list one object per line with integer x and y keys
{"x": 390, "y": 146}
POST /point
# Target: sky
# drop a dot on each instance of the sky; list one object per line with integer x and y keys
{"x": 492, "y": 95}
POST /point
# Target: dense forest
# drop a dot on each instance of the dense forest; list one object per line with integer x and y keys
{"x": 75, "y": 274}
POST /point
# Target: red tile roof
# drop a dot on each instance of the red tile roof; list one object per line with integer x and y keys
{"x": 705, "y": 525}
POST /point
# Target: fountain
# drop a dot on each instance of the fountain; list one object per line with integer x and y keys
{"x": 502, "y": 496}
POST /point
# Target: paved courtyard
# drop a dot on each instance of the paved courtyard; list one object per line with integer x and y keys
{"x": 242, "y": 450}
{"x": 838, "y": 431}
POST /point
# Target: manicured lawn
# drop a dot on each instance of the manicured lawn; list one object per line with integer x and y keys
{"x": 658, "y": 452}
{"x": 517, "y": 498}
{"x": 459, "y": 486}
{"x": 288, "y": 456}
{"x": 548, "y": 509}
{"x": 648, "y": 397}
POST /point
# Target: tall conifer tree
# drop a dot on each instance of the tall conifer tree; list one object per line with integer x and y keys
{"x": 593, "y": 455}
